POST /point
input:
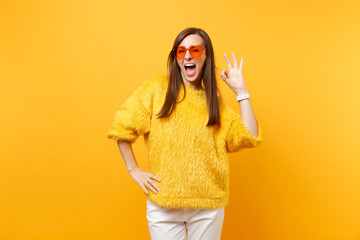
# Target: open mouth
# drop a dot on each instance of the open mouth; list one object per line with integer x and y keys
{"x": 190, "y": 69}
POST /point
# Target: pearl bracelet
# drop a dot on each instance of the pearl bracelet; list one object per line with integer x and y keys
{"x": 243, "y": 96}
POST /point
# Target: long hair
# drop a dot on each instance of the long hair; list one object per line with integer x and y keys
{"x": 208, "y": 78}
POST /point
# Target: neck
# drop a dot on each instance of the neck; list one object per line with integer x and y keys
{"x": 193, "y": 85}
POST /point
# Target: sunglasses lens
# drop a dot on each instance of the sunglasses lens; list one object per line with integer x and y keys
{"x": 197, "y": 51}
{"x": 180, "y": 53}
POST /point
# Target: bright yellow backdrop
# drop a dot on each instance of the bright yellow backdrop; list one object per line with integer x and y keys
{"x": 67, "y": 66}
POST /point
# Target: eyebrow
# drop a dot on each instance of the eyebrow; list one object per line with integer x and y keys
{"x": 190, "y": 45}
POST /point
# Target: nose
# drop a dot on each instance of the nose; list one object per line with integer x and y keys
{"x": 187, "y": 54}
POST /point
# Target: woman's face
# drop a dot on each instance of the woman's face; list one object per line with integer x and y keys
{"x": 192, "y": 74}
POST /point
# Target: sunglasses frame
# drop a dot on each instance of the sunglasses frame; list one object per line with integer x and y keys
{"x": 188, "y": 49}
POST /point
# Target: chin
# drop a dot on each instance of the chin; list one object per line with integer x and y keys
{"x": 192, "y": 79}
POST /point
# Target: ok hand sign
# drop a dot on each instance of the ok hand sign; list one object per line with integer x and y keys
{"x": 234, "y": 77}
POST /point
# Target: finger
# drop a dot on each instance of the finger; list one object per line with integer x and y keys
{"x": 222, "y": 75}
{"x": 144, "y": 189}
{"x": 228, "y": 61}
{"x": 241, "y": 64}
{"x": 235, "y": 62}
{"x": 155, "y": 177}
{"x": 227, "y": 73}
{"x": 155, "y": 186}
{"x": 150, "y": 187}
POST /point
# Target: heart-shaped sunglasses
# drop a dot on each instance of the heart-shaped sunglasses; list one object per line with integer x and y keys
{"x": 195, "y": 51}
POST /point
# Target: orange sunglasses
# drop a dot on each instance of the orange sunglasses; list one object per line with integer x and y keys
{"x": 195, "y": 51}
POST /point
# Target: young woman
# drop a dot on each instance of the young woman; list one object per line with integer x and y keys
{"x": 188, "y": 131}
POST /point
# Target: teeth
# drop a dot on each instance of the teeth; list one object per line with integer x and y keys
{"x": 189, "y": 64}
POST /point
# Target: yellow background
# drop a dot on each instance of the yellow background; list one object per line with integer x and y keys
{"x": 67, "y": 66}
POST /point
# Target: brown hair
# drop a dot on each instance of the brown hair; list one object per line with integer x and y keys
{"x": 208, "y": 78}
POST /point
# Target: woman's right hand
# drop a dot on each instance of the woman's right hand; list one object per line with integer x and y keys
{"x": 143, "y": 178}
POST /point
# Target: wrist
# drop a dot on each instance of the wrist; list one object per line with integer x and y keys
{"x": 242, "y": 97}
{"x": 131, "y": 169}
{"x": 241, "y": 91}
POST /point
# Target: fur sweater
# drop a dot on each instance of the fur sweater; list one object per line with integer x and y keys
{"x": 189, "y": 158}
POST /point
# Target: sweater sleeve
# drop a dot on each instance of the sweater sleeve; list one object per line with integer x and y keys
{"x": 239, "y": 136}
{"x": 134, "y": 115}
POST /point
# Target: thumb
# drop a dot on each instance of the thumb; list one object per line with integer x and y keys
{"x": 223, "y": 75}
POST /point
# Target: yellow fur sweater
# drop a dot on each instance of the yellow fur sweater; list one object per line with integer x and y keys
{"x": 189, "y": 158}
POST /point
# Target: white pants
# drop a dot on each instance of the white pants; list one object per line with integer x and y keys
{"x": 171, "y": 223}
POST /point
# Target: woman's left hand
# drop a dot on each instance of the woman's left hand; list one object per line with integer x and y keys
{"x": 234, "y": 77}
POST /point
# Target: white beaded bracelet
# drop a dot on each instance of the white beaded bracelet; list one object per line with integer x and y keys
{"x": 243, "y": 96}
